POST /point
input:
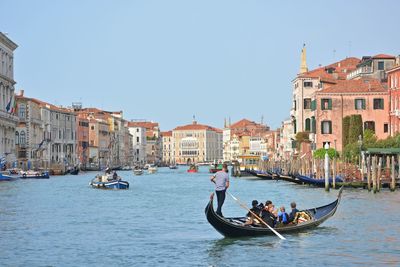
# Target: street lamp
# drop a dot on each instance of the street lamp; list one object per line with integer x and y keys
{"x": 326, "y": 146}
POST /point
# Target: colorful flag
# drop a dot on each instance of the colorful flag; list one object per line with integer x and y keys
{"x": 14, "y": 106}
{"x": 8, "y": 107}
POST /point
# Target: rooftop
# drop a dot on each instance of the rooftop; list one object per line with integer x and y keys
{"x": 356, "y": 86}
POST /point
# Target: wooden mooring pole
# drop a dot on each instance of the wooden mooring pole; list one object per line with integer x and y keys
{"x": 369, "y": 173}
{"x": 393, "y": 182}
{"x": 374, "y": 174}
{"x": 379, "y": 176}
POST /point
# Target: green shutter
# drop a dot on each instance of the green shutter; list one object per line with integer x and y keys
{"x": 363, "y": 104}
{"x": 322, "y": 104}
{"x": 330, "y": 127}
{"x": 322, "y": 127}
{"x": 329, "y": 104}
{"x": 313, "y": 105}
{"x": 355, "y": 104}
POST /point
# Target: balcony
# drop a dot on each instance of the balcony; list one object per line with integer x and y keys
{"x": 7, "y": 116}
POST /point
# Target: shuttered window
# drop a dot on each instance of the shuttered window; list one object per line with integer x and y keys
{"x": 326, "y": 127}
{"x": 326, "y": 104}
{"x": 359, "y": 103}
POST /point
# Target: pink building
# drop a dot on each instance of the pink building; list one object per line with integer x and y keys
{"x": 394, "y": 90}
{"x": 366, "y": 97}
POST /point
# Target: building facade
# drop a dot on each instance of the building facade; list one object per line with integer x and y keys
{"x": 394, "y": 91}
{"x": 139, "y": 142}
{"x": 168, "y": 148}
{"x": 8, "y": 120}
{"x": 366, "y": 97}
{"x": 196, "y": 143}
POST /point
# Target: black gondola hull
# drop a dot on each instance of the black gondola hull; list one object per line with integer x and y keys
{"x": 233, "y": 227}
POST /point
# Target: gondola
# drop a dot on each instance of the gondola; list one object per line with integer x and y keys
{"x": 317, "y": 182}
{"x": 233, "y": 227}
{"x": 74, "y": 171}
{"x": 264, "y": 175}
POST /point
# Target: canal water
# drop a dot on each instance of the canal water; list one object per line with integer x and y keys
{"x": 160, "y": 221}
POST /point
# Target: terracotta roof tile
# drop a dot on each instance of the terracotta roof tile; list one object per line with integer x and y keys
{"x": 355, "y": 86}
{"x": 196, "y": 127}
{"x": 339, "y": 70}
{"x": 383, "y": 56}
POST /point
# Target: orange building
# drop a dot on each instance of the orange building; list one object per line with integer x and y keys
{"x": 367, "y": 97}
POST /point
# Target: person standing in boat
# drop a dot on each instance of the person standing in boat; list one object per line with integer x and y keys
{"x": 221, "y": 181}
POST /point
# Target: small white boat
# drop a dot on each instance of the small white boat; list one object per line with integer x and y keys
{"x": 152, "y": 169}
{"x": 137, "y": 171}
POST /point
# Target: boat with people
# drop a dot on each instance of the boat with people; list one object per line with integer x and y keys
{"x": 317, "y": 182}
{"x": 108, "y": 181}
{"x": 193, "y": 168}
{"x": 74, "y": 171}
{"x": 235, "y": 226}
{"x": 30, "y": 174}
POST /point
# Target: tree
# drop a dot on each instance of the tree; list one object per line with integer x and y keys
{"x": 356, "y": 128}
{"x": 345, "y": 129}
{"x": 302, "y": 137}
{"x": 320, "y": 153}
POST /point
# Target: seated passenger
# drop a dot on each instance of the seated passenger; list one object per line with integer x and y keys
{"x": 292, "y": 214}
{"x": 267, "y": 215}
{"x": 115, "y": 175}
{"x": 254, "y": 208}
{"x": 283, "y": 216}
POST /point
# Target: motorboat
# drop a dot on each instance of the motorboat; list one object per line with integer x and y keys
{"x": 108, "y": 181}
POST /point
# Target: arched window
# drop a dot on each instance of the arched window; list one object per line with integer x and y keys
{"x": 22, "y": 138}
{"x": 16, "y": 138}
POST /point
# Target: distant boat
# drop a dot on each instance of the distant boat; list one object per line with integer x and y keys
{"x": 4, "y": 177}
{"x": 152, "y": 169}
{"x": 173, "y": 167}
{"x": 74, "y": 171}
{"x": 215, "y": 168}
{"x": 137, "y": 171}
{"x": 108, "y": 182}
{"x": 34, "y": 175}
{"x": 193, "y": 169}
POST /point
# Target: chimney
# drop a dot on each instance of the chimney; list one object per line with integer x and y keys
{"x": 21, "y": 92}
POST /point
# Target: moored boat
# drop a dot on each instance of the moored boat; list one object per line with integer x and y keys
{"x": 317, "y": 182}
{"x": 108, "y": 182}
{"x": 234, "y": 227}
{"x": 74, "y": 171}
{"x": 173, "y": 167}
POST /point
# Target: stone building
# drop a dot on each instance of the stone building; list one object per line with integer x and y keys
{"x": 139, "y": 142}
{"x": 168, "y": 149}
{"x": 394, "y": 91}
{"x": 8, "y": 120}
{"x": 196, "y": 143}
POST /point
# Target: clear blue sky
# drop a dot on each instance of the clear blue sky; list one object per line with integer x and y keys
{"x": 169, "y": 60}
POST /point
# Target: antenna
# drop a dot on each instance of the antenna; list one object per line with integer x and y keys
{"x": 334, "y": 54}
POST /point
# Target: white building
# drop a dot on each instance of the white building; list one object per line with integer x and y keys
{"x": 138, "y": 142}
{"x": 8, "y": 120}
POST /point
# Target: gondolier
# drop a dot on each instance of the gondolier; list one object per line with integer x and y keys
{"x": 221, "y": 181}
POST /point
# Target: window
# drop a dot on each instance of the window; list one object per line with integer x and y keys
{"x": 307, "y": 103}
{"x": 381, "y": 65}
{"x": 326, "y": 104}
{"x": 326, "y": 127}
{"x": 369, "y": 125}
{"x": 137, "y": 139}
{"x": 16, "y": 138}
{"x": 92, "y": 128}
{"x": 359, "y": 104}
{"x": 294, "y": 105}
{"x": 378, "y": 103}
{"x": 307, "y": 84}
{"x": 308, "y": 125}
{"x": 385, "y": 127}
{"x": 313, "y": 125}
{"x": 21, "y": 111}
{"x": 22, "y": 138}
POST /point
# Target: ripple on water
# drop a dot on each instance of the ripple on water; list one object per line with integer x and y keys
{"x": 160, "y": 221}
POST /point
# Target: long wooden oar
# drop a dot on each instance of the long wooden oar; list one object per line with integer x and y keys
{"x": 255, "y": 215}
